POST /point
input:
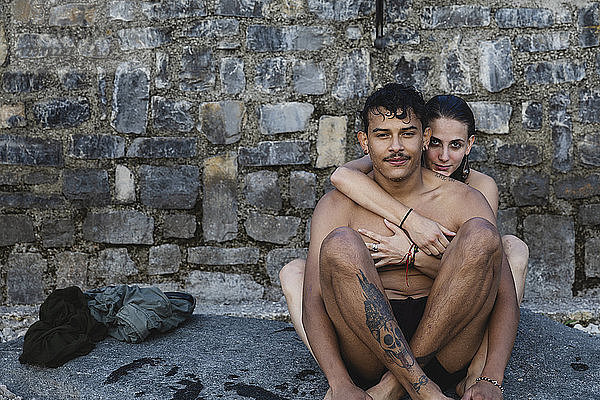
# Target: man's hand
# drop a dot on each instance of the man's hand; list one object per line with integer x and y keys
{"x": 482, "y": 391}
{"x": 390, "y": 249}
{"x": 428, "y": 235}
{"x": 348, "y": 392}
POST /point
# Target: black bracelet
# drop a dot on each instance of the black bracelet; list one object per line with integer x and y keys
{"x": 492, "y": 381}
{"x": 405, "y": 216}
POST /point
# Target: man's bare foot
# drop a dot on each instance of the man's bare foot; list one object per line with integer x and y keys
{"x": 388, "y": 388}
{"x": 328, "y": 395}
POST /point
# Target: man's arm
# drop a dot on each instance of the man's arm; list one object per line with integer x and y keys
{"x": 328, "y": 215}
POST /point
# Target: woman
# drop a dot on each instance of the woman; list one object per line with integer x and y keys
{"x": 453, "y": 134}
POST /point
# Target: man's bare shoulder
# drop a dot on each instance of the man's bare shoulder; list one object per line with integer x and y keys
{"x": 334, "y": 201}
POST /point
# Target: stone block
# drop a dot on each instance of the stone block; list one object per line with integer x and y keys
{"x": 354, "y": 33}
{"x": 353, "y": 76}
{"x": 173, "y": 115}
{"x": 181, "y": 226}
{"x": 142, "y": 38}
{"x": 62, "y": 112}
{"x": 551, "y": 241}
{"x": 214, "y": 29}
{"x": 331, "y": 141}
{"x": 209, "y": 255}
{"x": 539, "y": 42}
{"x": 456, "y": 76}
{"x": 171, "y": 9}
{"x": 112, "y": 266}
{"x": 413, "y": 70}
{"x": 478, "y": 153}
{"x": 73, "y": 15}
{"x": 3, "y": 45}
{"x": 262, "y": 190}
{"x": 18, "y": 150}
{"x": 271, "y": 74}
{"x": 169, "y": 187}
{"x": 531, "y": 189}
{"x": 95, "y": 47}
{"x": 124, "y": 185}
{"x": 40, "y": 178}
{"x": 524, "y": 18}
{"x": 309, "y": 77}
{"x": 23, "y": 82}
{"x": 554, "y": 72}
{"x": 562, "y": 131}
{"x": 164, "y": 259}
{"x": 217, "y": 287}
{"x": 532, "y": 115}
{"x": 508, "y": 220}
{"x": 163, "y": 147}
{"x": 402, "y": 36}
{"x": 588, "y": 20}
{"x": 495, "y": 64}
{"x": 71, "y": 269}
{"x": 16, "y": 229}
{"x": 578, "y": 187}
{"x": 277, "y": 258}
{"x": 340, "y": 10}
{"x": 222, "y": 122}
{"x": 589, "y": 104}
{"x": 197, "y": 69}
{"x": 57, "y": 233}
{"x": 73, "y": 80}
{"x": 272, "y": 229}
{"x": 284, "y": 117}
{"x": 119, "y": 227}
{"x": 303, "y": 186}
{"x": 130, "y": 98}
{"x": 588, "y": 149}
{"x": 521, "y": 155}
{"x": 30, "y": 200}
{"x": 264, "y": 38}
{"x": 162, "y": 80}
{"x": 232, "y": 75}
{"x": 28, "y": 11}
{"x": 24, "y": 278}
{"x": 97, "y": 146}
{"x": 275, "y": 153}
{"x": 219, "y": 203}
{"x": 241, "y": 8}
{"x": 592, "y": 258}
{"x": 457, "y": 16}
{"x": 122, "y": 10}
{"x": 589, "y": 214}
{"x": 491, "y": 117}
{"x": 86, "y": 187}
{"x": 43, "y": 45}
{"x": 12, "y": 116}
{"x": 102, "y": 100}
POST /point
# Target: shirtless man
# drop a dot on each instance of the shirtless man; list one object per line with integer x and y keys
{"x": 440, "y": 306}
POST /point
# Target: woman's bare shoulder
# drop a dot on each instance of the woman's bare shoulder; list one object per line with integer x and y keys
{"x": 480, "y": 181}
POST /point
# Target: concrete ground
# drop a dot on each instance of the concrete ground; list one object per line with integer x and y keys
{"x": 220, "y": 357}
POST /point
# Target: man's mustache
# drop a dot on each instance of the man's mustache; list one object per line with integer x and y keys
{"x": 396, "y": 155}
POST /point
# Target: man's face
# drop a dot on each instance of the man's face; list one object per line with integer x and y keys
{"x": 394, "y": 145}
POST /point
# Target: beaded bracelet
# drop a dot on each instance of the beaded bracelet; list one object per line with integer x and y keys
{"x": 492, "y": 381}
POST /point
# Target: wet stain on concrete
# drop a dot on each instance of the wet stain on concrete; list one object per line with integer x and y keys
{"x": 172, "y": 372}
{"x": 306, "y": 375}
{"x": 191, "y": 390}
{"x": 283, "y": 387}
{"x": 251, "y": 391}
{"x": 579, "y": 366}
{"x": 286, "y": 329}
{"x": 117, "y": 374}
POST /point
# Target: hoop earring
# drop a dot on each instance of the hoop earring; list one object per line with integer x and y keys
{"x": 366, "y": 151}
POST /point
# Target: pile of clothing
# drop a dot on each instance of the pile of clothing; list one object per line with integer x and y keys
{"x": 72, "y": 322}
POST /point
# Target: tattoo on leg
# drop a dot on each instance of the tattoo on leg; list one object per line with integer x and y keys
{"x": 423, "y": 380}
{"x": 383, "y": 325}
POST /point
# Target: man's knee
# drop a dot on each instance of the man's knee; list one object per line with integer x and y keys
{"x": 517, "y": 251}
{"x": 339, "y": 248}
{"x": 482, "y": 234}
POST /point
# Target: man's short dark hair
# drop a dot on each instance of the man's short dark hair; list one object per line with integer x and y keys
{"x": 397, "y": 100}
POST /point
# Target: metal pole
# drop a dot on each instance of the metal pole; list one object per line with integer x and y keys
{"x": 379, "y": 41}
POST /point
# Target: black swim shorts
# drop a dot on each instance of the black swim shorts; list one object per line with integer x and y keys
{"x": 408, "y": 313}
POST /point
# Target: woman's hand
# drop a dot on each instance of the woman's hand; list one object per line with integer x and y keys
{"x": 428, "y": 235}
{"x": 389, "y": 249}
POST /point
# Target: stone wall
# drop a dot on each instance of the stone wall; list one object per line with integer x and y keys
{"x": 184, "y": 143}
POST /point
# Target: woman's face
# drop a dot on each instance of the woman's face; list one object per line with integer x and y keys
{"x": 448, "y": 145}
